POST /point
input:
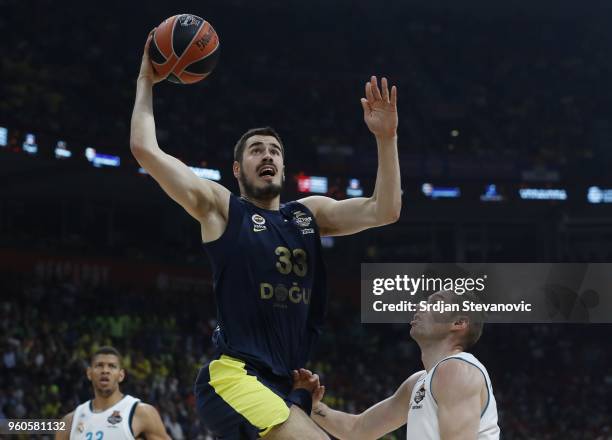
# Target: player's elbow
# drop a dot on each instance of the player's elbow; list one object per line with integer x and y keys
{"x": 390, "y": 215}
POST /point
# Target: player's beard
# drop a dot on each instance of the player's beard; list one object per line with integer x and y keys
{"x": 268, "y": 192}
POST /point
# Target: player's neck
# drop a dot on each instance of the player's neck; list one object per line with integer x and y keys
{"x": 269, "y": 204}
{"x": 434, "y": 352}
{"x": 101, "y": 403}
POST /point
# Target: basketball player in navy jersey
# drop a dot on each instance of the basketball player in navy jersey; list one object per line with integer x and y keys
{"x": 269, "y": 278}
{"x": 111, "y": 415}
{"x": 452, "y": 399}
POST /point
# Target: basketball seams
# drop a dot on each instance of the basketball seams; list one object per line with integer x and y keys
{"x": 189, "y": 45}
{"x": 212, "y": 52}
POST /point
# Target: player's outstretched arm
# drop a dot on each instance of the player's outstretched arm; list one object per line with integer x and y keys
{"x": 457, "y": 386}
{"x": 197, "y": 196}
{"x": 383, "y": 207}
{"x": 65, "y": 435}
{"x": 376, "y": 421}
{"x": 148, "y": 424}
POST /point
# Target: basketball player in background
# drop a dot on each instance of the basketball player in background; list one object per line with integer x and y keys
{"x": 269, "y": 278}
{"x": 452, "y": 399}
{"x": 111, "y": 415}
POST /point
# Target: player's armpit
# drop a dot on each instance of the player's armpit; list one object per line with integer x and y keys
{"x": 65, "y": 435}
{"x": 147, "y": 423}
{"x": 457, "y": 387}
{"x": 199, "y": 197}
{"x": 344, "y": 217}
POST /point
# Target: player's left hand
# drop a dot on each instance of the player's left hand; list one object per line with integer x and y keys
{"x": 305, "y": 379}
{"x": 380, "y": 108}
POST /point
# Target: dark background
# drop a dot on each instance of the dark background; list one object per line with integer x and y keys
{"x": 93, "y": 256}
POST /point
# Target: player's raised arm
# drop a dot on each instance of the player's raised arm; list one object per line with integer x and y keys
{"x": 65, "y": 434}
{"x": 383, "y": 207}
{"x": 373, "y": 423}
{"x": 197, "y": 196}
{"x": 458, "y": 389}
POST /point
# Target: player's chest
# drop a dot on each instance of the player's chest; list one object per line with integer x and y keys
{"x": 108, "y": 426}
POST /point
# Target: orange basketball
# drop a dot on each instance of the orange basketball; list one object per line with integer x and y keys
{"x": 185, "y": 49}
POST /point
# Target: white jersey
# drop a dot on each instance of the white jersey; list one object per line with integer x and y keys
{"x": 111, "y": 424}
{"x": 423, "y": 412}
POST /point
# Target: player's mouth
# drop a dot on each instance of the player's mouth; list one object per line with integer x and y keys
{"x": 105, "y": 380}
{"x": 267, "y": 172}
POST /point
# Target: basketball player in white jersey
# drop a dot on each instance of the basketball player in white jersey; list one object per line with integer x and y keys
{"x": 452, "y": 399}
{"x": 111, "y": 415}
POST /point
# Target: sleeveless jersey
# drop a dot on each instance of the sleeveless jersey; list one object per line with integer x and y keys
{"x": 113, "y": 424}
{"x": 423, "y": 413}
{"x": 269, "y": 284}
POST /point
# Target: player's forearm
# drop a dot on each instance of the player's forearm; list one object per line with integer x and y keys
{"x": 142, "y": 132}
{"x": 339, "y": 424}
{"x": 387, "y": 191}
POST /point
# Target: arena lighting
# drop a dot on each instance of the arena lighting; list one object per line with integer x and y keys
{"x": 354, "y": 189}
{"x": 207, "y": 173}
{"x": 599, "y": 195}
{"x": 3, "y": 136}
{"x": 543, "y": 194}
{"x": 491, "y": 194}
{"x": 440, "y": 192}
{"x": 312, "y": 184}
{"x": 29, "y": 145}
{"x": 327, "y": 242}
{"x": 62, "y": 151}
{"x": 100, "y": 160}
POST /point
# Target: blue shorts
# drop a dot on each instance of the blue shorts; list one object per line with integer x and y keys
{"x": 235, "y": 401}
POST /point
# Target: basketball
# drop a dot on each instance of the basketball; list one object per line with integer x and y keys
{"x": 184, "y": 49}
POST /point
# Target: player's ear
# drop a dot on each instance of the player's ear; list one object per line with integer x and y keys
{"x": 89, "y": 373}
{"x": 236, "y": 169}
{"x": 121, "y": 375}
{"x": 461, "y": 322}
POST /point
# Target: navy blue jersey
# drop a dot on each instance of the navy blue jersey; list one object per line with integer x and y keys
{"x": 269, "y": 283}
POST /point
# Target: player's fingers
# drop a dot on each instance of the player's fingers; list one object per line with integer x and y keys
{"x": 385, "y": 89}
{"x": 368, "y": 92}
{"x": 314, "y": 378}
{"x": 394, "y": 95}
{"x": 295, "y": 374}
{"x": 365, "y": 105}
{"x": 375, "y": 89}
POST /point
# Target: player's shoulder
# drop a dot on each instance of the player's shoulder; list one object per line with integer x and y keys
{"x": 405, "y": 389}
{"x": 457, "y": 375}
{"x": 67, "y": 419}
{"x": 145, "y": 414}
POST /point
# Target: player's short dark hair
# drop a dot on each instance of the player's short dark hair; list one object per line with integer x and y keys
{"x": 261, "y": 131}
{"x": 476, "y": 319}
{"x": 105, "y": 350}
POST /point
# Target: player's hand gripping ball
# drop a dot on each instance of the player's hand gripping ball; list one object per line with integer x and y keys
{"x": 184, "y": 49}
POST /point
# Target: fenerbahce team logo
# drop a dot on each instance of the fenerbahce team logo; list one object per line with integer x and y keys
{"x": 259, "y": 223}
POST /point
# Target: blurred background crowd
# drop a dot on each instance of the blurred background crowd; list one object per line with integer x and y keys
{"x": 550, "y": 381}
{"x": 514, "y": 94}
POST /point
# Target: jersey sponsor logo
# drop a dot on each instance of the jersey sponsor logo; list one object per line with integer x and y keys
{"x": 281, "y": 295}
{"x": 259, "y": 223}
{"x": 307, "y": 231}
{"x": 301, "y": 219}
{"x": 115, "y": 418}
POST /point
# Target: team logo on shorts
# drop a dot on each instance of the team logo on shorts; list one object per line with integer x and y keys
{"x": 115, "y": 418}
{"x": 259, "y": 223}
{"x": 189, "y": 20}
{"x": 420, "y": 395}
